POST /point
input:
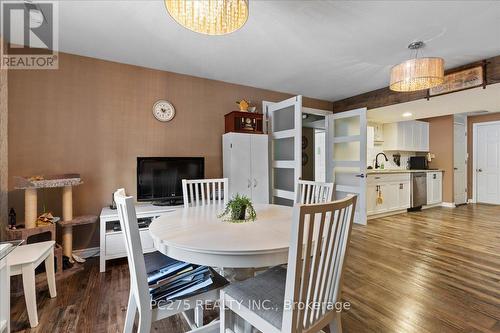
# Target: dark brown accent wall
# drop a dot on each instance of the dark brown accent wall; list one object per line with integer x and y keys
{"x": 470, "y": 147}
{"x": 93, "y": 117}
{"x": 384, "y": 97}
{"x": 441, "y": 144}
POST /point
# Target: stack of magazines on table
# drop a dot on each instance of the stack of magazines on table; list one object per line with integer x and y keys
{"x": 179, "y": 280}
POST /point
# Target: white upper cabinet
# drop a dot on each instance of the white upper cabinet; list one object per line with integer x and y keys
{"x": 407, "y": 136}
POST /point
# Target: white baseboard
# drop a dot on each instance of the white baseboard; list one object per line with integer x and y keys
{"x": 471, "y": 201}
{"x": 439, "y": 204}
{"x": 448, "y": 204}
{"x": 88, "y": 252}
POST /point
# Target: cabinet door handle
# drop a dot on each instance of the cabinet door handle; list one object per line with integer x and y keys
{"x": 400, "y": 186}
{"x": 254, "y": 182}
{"x": 249, "y": 183}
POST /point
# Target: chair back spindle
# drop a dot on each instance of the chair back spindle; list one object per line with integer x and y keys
{"x": 310, "y": 192}
{"x": 202, "y": 192}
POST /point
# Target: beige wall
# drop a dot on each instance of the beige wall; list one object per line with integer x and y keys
{"x": 441, "y": 144}
{"x": 470, "y": 148}
{"x": 93, "y": 117}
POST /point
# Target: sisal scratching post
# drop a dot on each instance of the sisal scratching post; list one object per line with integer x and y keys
{"x": 30, "y": 208}
{"x": 67, "y": 207}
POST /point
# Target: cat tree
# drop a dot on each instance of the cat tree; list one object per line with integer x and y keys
{"x": 30, "y": 187}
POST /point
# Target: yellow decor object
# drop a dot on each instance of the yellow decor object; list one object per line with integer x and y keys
{"x": 211, "y": 17}
{"x": 45, "y": 219}
{"x": 243, "y": 105}
{"x": 418, "y": 73}
{"x": 380, "y": 198}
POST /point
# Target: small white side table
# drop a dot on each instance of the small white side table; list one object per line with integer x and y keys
{"x": 23, "y": 260}
{"x": 5, "y": 249}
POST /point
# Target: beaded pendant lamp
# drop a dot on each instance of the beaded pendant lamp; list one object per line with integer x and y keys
{"x": 418, "y": 73}
{"x": 210, "y": 17}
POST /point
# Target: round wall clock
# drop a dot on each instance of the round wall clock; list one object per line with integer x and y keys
{"x": 163, "y": 111}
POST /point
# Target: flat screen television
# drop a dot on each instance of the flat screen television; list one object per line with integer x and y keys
{"x": 159, "y": 179}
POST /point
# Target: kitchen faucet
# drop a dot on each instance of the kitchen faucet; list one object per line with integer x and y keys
{"x": 376, "y": 160}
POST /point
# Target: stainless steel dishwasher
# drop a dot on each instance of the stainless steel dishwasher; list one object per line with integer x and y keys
{"x": 418, "y": 189}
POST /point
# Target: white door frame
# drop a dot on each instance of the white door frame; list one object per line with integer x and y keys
{"x": 465, "y": 161}
{"x": 474, "y": 155}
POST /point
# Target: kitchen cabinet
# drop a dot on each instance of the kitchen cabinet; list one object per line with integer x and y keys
{"x": 245, "y": 164}
{"x": 410, "y": 135}
{"x": 394, "y": 189}
{"x": 378, "y": 132}
{"x": 434, "y": 187}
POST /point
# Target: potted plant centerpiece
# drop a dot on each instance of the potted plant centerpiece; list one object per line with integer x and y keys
{"x": 239, "y": 209}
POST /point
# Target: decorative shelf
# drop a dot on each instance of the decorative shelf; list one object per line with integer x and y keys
{"x": 244, "y": 122}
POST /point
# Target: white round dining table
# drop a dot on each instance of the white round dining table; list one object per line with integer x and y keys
{"x": 197, "y": 235}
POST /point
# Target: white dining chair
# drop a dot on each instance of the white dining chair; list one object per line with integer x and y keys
{"x": 139, "y": 298}
{"x": 302, "y": 297}
{"x": 311, "y": 192}
{"x": 201, "y": 192}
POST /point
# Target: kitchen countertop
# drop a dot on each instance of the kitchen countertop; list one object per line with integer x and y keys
{"x": 380, "y": 171}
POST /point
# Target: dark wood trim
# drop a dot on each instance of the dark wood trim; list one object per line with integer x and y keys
{"x": 385, "y": 96}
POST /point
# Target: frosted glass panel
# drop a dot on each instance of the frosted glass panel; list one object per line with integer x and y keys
{"x": 284, "y": 179}
{"x": 284, "y": 119}
{"x": 346, "y": 151}
{"x": 346, "y": 127}
{"x": 346, "y": 176}
{"x": 284, "y": 149}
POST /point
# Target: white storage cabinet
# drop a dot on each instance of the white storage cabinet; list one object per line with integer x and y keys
{"x": 245, "y": 164}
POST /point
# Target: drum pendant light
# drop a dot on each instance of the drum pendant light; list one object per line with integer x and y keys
{"x": 418, "y": 73}
{"x": 210, "y": 17}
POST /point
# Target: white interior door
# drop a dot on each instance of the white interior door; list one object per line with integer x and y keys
{"x": 285, "y": 150}
{"x": 346, "y": 157}
{"x": 487, "y": 162}
{"x": 459, "y": 164}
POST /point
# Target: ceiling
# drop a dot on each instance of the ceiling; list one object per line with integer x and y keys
{"x": 467, "y": 101}
{"x": 324, "y": 49}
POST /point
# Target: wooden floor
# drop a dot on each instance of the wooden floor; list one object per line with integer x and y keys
{"x": 434, "y": 271}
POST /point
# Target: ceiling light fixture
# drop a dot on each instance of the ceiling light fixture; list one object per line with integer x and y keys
{"x": 210, "y": 17}
{"x": 407, "y": 114}
{"x": 418, "y": 73}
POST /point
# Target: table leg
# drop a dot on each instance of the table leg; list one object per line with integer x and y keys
{"x": 51, "y": 275}
{"x": 28, "y": 272}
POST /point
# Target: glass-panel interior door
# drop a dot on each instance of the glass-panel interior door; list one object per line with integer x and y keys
{"x": 346, "y": 157}
{"x": 285, "y": 139}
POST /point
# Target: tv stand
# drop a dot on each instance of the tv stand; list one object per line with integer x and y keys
{"x": 168, "y": 202}
{"x": 111, "y": 236}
